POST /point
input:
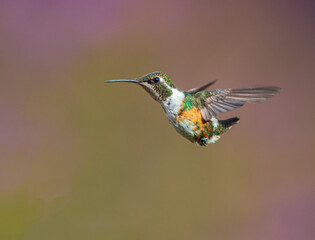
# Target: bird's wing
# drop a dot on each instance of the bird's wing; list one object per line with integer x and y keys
{"x": 204, "y": 87}
{"x": 214, "y": 102}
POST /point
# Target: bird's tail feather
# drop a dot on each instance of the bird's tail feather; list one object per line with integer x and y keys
{"x": 228, "y": 123}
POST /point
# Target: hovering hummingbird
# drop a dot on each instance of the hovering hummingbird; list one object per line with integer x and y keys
{"x": 193, "y": 112}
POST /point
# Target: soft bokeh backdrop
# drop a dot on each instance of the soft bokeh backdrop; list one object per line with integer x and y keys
{"x": 80, "y": 159}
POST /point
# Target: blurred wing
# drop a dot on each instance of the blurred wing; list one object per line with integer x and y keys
{"x": 212, "y": 103}
{"x": 204, "y": 87}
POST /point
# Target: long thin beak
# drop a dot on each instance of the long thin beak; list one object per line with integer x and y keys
{"x": 122, "y": 80}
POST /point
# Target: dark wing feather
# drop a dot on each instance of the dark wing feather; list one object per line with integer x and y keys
{"x": 212, "y": 103}
{"x": 204, "y": 87}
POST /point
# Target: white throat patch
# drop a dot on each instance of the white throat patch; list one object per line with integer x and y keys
{"x": 173, "y": 103}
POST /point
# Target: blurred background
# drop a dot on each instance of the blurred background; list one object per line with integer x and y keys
{"x": 80, "y": 159}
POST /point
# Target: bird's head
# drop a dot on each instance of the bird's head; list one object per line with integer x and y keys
{"x": 157, "y": 84}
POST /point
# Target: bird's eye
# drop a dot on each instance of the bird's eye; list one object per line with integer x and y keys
{"x": 156, "y": 79}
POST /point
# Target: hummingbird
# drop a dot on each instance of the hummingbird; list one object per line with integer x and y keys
{"x": 193, "y": 113}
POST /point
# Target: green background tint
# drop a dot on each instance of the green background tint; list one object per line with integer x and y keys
{"x": 80, "y": 159}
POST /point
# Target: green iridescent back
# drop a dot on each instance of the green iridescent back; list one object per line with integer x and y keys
{"x": 197, "y": 99}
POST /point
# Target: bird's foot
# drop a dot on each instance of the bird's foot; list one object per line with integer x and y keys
{"x": 203, "y": 142}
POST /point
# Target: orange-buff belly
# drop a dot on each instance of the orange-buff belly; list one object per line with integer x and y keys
{"x": 199, "y": 126}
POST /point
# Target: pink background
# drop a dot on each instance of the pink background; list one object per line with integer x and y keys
{"x": 80, "y": 159}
